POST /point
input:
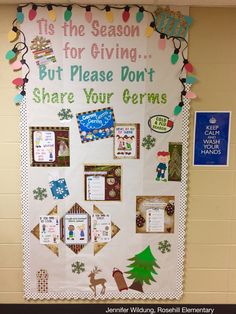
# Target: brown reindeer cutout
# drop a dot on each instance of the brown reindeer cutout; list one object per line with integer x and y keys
{"x": 95, "y": 282}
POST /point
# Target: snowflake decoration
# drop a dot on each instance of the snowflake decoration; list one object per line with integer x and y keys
{"x": 39, "y": 43}
{"x": 148, "y": 142}
{"x": 164, "y": 246}
{"x": 65, "y": 114}
{"x": 40, "y": 193}
{"x": 78, "y": 267}
{"x": 60, "y": 190}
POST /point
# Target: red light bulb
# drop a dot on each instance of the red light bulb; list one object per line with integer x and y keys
{"x": 18, "y": 81}
{"x": 188, "y": 66}
{"x": 126, "y": 14}
{"x": 33, "y": 12}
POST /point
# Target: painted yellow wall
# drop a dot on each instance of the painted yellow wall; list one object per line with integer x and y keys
{"x": 210, "y": 268}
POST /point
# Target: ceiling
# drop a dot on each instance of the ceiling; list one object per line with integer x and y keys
{"x": 208, "y": 3}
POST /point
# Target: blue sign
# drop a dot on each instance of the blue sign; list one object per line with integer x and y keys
{"x": 96, "y": 124}
{"x": 211, "y": 146}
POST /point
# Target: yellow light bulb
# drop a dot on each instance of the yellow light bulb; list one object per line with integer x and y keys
{"x": 150, "y": 30}
{"x": 12, "y": 35}
{"x": 51, "y": 13}
{"x": 109, "y": 16}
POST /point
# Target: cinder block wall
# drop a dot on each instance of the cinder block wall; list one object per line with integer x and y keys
{"x": 210, "y": 271}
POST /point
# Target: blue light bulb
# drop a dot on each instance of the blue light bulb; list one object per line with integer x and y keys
{"x": 19, "y": 97}
{"x": 10, "y": 54}
{"x": 20, "y": 15}
{"x": 190, "y": 80}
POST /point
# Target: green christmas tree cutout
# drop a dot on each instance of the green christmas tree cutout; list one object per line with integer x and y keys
{"x": 142, "y": 269}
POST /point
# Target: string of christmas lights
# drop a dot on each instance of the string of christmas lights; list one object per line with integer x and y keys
{"x": 21, "y": 46}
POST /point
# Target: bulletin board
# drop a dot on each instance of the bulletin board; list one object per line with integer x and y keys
{"x": 104, "y": 102}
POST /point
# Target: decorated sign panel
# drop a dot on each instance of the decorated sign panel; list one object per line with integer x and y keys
{"x": 104, "y": 102}
{"x": 211, "y": 145}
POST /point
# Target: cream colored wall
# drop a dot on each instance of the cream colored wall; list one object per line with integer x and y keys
{"x": 210, "y": 272}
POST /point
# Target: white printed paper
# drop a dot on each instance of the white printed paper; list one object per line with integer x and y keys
{"x": 101, "y": 231}
{"x": 49, "y": 229}
{"x": 76, "y": 229}
{"x": 96, "y": 188}
{"x": 155, "y": 220}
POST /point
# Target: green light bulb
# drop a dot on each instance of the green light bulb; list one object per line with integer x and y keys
{"x": 68, "y": 13}
{"x": 139, "y": 15}
{"x": 178, "y": 109}
{"x": 175, "y": 56}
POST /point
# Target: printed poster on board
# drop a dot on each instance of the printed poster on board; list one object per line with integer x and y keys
{"x": 212, "y": 138}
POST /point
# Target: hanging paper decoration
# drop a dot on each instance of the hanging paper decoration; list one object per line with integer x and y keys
{"x": 140, "y": 15}
{"x": 13, "y": 34}
{"x": 51, "y": 13}
{"x": 20, "y": 15}
{"x": 88, "y": 14}
{"x": 109, "y": 14}
{"x": 126, "y": 14}
{"x": 33, "y": 12}
{"x": 108, "y": 59}
{"x": 68, "y": 13}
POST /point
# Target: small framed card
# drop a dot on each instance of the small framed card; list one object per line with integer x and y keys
{"x": 102, "y": 182}
{"x": 49, "y": 229}
{"x": 155, "y": 214}
{"x": 50, "y": 146}
{"x": 76, "y": 228}
{"x": 126, "y": 140}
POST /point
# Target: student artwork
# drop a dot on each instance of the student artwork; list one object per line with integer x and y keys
{"x": 175, "y": 162}
{"x": 42, "y": 50}
{"x": 49, "y": 229}
{"x": 126, "y": 140}
{"x": 142, "y": 269}
{"x": 50, "y": 147}
{"x": 153, "y": 215}
{"x": 96, "y": 125}
{"x": 59, "y": 189}
{"x": 160, "y": 124}
{"x": 102, "y": 182}
{"x": 42, "y": 281}
{"x": 37, "y": 231}
{"x": 75, "y": 228}
{"x": 163, "y": 158}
